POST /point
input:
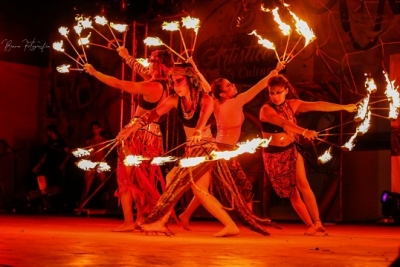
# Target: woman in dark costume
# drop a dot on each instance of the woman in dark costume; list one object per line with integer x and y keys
{"x": 283, "y": 163}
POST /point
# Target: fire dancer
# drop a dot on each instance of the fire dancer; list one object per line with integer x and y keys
{"x": 139, "y": 183}
{"x": 194, "y": 109}
{"x": 228, "y": 112}
{"x": 283, "y": 163}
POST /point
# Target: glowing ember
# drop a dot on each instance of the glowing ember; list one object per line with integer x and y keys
{"x": 364, "y": 126}
{"x": 100, "y": 20}
{"x": 144, "y": 62}
{"x": 191, "y": 23}
{"x": 80, "y": 152}
{"x": 324, "y": 158}
{"x": 303, "y": 29}
{"x": 58, "y": 46}
{"x": 132, "y": 160}
{"x": 285, "y": 28}
{"x": 263, "y": 42}
{"x": 162, "y": 160}
{"x": 102, "y": 167}
{"x": 190, "y": 162}
{"x": 153, "y": 41}
{"x": 86, "y": 165}
{"x": 84, "y": 40}
{"x": 119, "y": 27}
{"x": 63, "y": 30}
{"x": 170, "y": 26}
{"x": 349, "y": 145}
{"x": 265, "y": 9}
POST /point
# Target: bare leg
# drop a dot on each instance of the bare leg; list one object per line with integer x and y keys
{"x": 302, "y": 211}
{"x": 214, "y": 207}
{"x": 184, "y": 217}
{"x": 88, "y": 180}
{"x": 126, "y": 203}
{"x": 307, "y": 194}
{"x": 159, "y": 226}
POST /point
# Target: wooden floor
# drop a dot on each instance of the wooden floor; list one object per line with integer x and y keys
{"x": 43, "y": 240}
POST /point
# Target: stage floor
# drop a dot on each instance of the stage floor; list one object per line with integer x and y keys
{"x": 33, "y": 240}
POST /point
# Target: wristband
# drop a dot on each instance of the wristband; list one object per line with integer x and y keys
{"x": 305, "y": 130}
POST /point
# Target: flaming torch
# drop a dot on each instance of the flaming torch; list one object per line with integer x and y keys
{"x": 174, "y": 26}
{"x": 324, "y": 158}
{"x": 285, "y": 28}
{"x": 265, "y": 43}
{"x": 103, "y": 21}
{"x": 78, "y": 30}
{"x": 132, "y": 160}
{"x": 393, "y": 97}
{"x": 155, "y": 41}
{"x": 87, "y": 24}
{"x": 66, "y": 68}
{"x": 64, "y": 32}
{"x": 305, "y": 31}
{"x": 59, "y": 47}
{"x": 192, "y": 23}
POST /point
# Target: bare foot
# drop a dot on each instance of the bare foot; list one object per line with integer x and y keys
{"x": 157, "y": 227}
{"x": 231, "y": 230}
{"x": 311, "y": 230}
{"x": 319, "y": 227}
{"x": 126, "y": 227}
{"x": 185, "y": 221}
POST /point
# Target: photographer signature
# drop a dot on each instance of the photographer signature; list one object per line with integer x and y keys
{"x": 26, "y": 45}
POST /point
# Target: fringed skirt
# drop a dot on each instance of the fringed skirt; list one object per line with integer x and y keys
{"x": 142, "y": 180}
{"x": 280, "y": 167}
{"x": 223, "y": 184}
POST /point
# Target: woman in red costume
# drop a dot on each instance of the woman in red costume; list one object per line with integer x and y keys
{"x": 139, "y": 183}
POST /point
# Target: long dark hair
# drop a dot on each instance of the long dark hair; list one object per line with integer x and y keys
{"x": 282, "y": 81}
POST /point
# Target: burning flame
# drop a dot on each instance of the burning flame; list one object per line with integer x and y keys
{"x": 80, "y": 152}
{"x": 362, "y": 110}
{"x": 191, "y": 23}
{"x": 84, "y": 40}
{"x": 153, "y": 41}
{"x": 393, "y": 96}
{"x": 285, "y": 28}
{"x": 86, "y": 165}
{"x": 303, "y": 29}
{"x": 349, "y": 145}
{"x": 364, "y": 126}
{"x": 119, "y": 27}
{"x": 85, "y": 23}
{"x": 162, "y": 160}
{"x": 64, "y": 69}
{"x": 190, "y": 162}
{"x": 102, "y": 166}
{"x": 64, "y": 31}
{"x": 132, "y": 160}
{"x": 327, "y": 156}
{"x": 170, "y": 26}
{"x": 144, "y": 62}
{"x": 370, "y": 85}
{"x": 78, "y": 29}
{"x": 100, "y": 20}
{"x": 58, "y": 46}
{"x": 263, "y": 42}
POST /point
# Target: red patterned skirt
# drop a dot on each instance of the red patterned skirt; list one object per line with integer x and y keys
{"x": 280, "y": 167}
